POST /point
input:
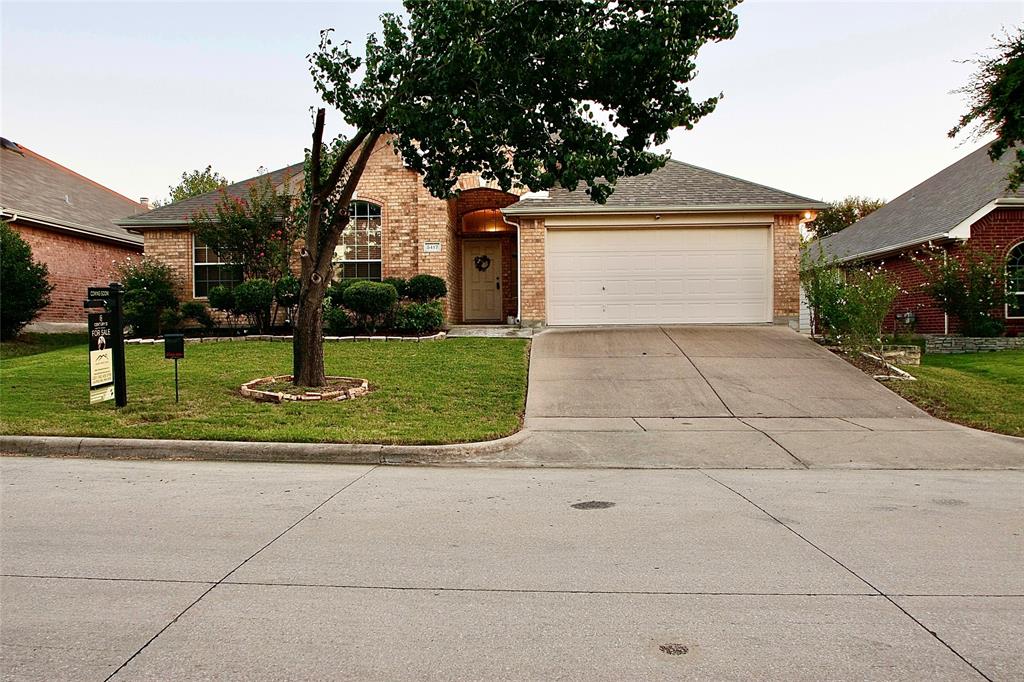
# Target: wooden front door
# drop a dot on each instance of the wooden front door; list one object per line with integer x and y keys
{"x": 481, "y": 280}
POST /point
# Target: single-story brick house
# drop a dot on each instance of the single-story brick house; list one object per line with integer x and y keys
{"x": 68, "y": 221}
{"x": 966, "y": 203}
{"x": 681, "y": 245}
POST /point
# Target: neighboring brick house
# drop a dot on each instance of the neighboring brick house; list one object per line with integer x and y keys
{"x": 68, "y": 221}
{"x": 966, "y": 203}
{"x": 681, "y": 245}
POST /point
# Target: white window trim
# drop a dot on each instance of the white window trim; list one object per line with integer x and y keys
{"x": 1006, "y": 307}
{"x": 336, "y": 262}
{"x": 196, "y": 263}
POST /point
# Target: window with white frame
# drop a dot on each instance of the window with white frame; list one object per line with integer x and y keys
{"x": 358, "y": 254}
{"x": 1015, "y": 281}
{"x": 209, "y": 270}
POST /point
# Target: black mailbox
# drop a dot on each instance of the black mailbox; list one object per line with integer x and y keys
{"x": 174, "y": 346}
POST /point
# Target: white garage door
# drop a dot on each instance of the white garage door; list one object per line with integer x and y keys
{"x": 681, "y": 276}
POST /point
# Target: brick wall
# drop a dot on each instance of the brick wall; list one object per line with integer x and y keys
{"x": 173, "y": 247}
{"x": 75, "y": 264}
{"x": 997, "y": 233}
{"x": 786, "y": 258}
{"x": 531, "y": 257}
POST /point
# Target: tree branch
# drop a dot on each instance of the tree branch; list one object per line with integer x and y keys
{"x": 339, "y": 164}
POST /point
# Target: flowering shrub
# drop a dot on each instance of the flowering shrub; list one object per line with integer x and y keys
{"x": 848, "y": 305}
{"x": 969, "y": 285}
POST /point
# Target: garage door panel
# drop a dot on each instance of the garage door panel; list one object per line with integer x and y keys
{"x": 685, "y": 275}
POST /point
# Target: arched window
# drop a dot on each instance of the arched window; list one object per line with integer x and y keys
{"x": 358, "y": 254}
{"x": 1015, "y": 281}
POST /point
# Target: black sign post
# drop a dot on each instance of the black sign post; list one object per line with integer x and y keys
{"x": 174, "y": 349}
{"x": 106, "y": 344}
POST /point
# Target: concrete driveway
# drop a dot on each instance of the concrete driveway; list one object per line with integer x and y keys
{"x": 729, "y": 396}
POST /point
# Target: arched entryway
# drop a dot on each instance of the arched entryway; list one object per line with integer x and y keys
{"x": 485, "y": 264}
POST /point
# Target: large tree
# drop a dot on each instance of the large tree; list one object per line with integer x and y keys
{"x": 839, "y": 215}
{"x": 197, "y": 182}
{"x": 995, "y": 100}
{"x": 535, "y": 94}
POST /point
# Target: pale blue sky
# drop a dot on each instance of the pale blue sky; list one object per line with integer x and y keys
{"x": 822, "y": 98}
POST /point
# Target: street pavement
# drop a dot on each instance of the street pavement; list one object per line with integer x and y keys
{"x": 187, "y": 570}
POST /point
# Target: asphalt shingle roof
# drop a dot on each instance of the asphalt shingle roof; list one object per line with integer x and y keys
{"x": 181, "y": 212}
{"x": 37, "y": 188}
{"x": 927, "y": 211}
{"x": 675, "y": 185}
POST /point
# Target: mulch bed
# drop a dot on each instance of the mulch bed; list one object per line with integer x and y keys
{"x": 868, "y": 366}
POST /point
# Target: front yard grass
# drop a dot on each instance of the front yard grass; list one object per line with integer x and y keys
{"x": 457, "y": 390}
{"x": 983, "y": 390}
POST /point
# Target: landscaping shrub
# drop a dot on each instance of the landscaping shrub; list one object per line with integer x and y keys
{"x": 148, "y": 292}
{"x": 253, "y": 299}
{"x": 198, "y": 313}
{"x": 400, "y": 284}
{"x": 337, "y": 321}
{"x": 286, "y": 291}
{"x": 970, "y": 286}
{"x": 423, "y": 288}
{"x": 26, "y": 289}
{"x": 370, "y": 301}
{"x": 419, "y": 318}
{"x": 848, "y": 305}
{"x": 336, "y": 291}
{"x": 221, "y": 298}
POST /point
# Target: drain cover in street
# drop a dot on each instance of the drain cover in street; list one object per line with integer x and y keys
{"x": 592, "y": 504}
{"x": 674, "y": 649}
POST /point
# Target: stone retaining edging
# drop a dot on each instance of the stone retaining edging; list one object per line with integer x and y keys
{"x": 273, "y": 337}
{"x": 971, "y": 344}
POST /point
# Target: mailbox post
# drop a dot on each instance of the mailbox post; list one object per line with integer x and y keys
{"x": 174, "y": 349}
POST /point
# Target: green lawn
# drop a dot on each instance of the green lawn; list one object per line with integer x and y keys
{"x": 32, "y": 343}
{"x": 983, "y": 390}
{"x": 456, "y": 390}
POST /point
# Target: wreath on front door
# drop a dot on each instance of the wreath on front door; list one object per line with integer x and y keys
{"x": 481, "y": 263}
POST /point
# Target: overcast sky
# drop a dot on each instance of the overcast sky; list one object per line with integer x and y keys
{"x": 822, "y": 98}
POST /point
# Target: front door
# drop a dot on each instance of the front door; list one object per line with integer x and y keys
{"x": 481, "y": 280}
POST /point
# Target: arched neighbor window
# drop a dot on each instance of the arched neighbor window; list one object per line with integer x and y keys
{"x": 1015, "y": 282}
{"x": 358, "y": 254}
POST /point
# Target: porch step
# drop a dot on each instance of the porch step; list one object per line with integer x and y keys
{"x": 504, "y": 331}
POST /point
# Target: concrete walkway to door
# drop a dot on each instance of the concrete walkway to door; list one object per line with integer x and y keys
{"x": 728, "y": 396}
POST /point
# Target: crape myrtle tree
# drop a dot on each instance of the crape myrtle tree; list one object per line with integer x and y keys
{"x": 534, "y": 94}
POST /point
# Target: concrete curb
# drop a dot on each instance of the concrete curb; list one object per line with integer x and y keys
{"x": 254, "y": 451}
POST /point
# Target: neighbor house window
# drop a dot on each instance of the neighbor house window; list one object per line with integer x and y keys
{"x": 1015, "y": 281}
{"x": 210, "y": 270}
{"x": 358, "y": 254}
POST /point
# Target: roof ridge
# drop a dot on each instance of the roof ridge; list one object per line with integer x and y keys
{"x": 74, "y": 173}
{"x": 743, "y": 180}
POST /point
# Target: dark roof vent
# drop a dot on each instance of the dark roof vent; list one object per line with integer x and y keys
{"x": 13, "y": 146}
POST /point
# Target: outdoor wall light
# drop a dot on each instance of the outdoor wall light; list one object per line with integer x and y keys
{"x": 809, "y": 216}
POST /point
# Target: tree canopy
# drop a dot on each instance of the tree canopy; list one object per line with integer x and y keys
{"x": 534, "y": 94}
{"x": 995, "y": 100}
{"x": 197, "y": 182}
{"x": 839, "y": 215}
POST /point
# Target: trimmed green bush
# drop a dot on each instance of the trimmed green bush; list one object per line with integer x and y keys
{"x": 286, "y": 291}
{"x": 419, "y": 318}
{"x": 222, "y": 298}
{"x": 423, "y": 288}
{"x": 253, "y": 299}
{"x": 26, "y": 289}
{"x": 370, "y": 301}
{"x": 336, "y": 291}
{"x": 400, "y": 284}
{"x": 199, "y": 313}
{"x": 148, "y": 292}
{"x": 337, "y": 321}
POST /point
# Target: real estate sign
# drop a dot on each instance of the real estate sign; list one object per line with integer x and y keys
{"x": 101, "y": 358}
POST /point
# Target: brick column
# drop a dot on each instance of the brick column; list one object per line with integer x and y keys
{"x": 531, "y": 267}
{"x": 786, "y": 276}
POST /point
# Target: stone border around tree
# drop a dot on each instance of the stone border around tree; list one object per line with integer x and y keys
{"x": 250, "y": 390}
{"x": 268, "y": 337}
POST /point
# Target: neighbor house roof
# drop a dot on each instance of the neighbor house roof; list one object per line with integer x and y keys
{"x": 35, "y": 189}
{"x": 181, "y": 212}
{"x": 942, "y": 207}
{"x": 676, "y": 186}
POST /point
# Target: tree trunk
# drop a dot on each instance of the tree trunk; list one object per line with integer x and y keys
{"x": 308, "y": 342}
